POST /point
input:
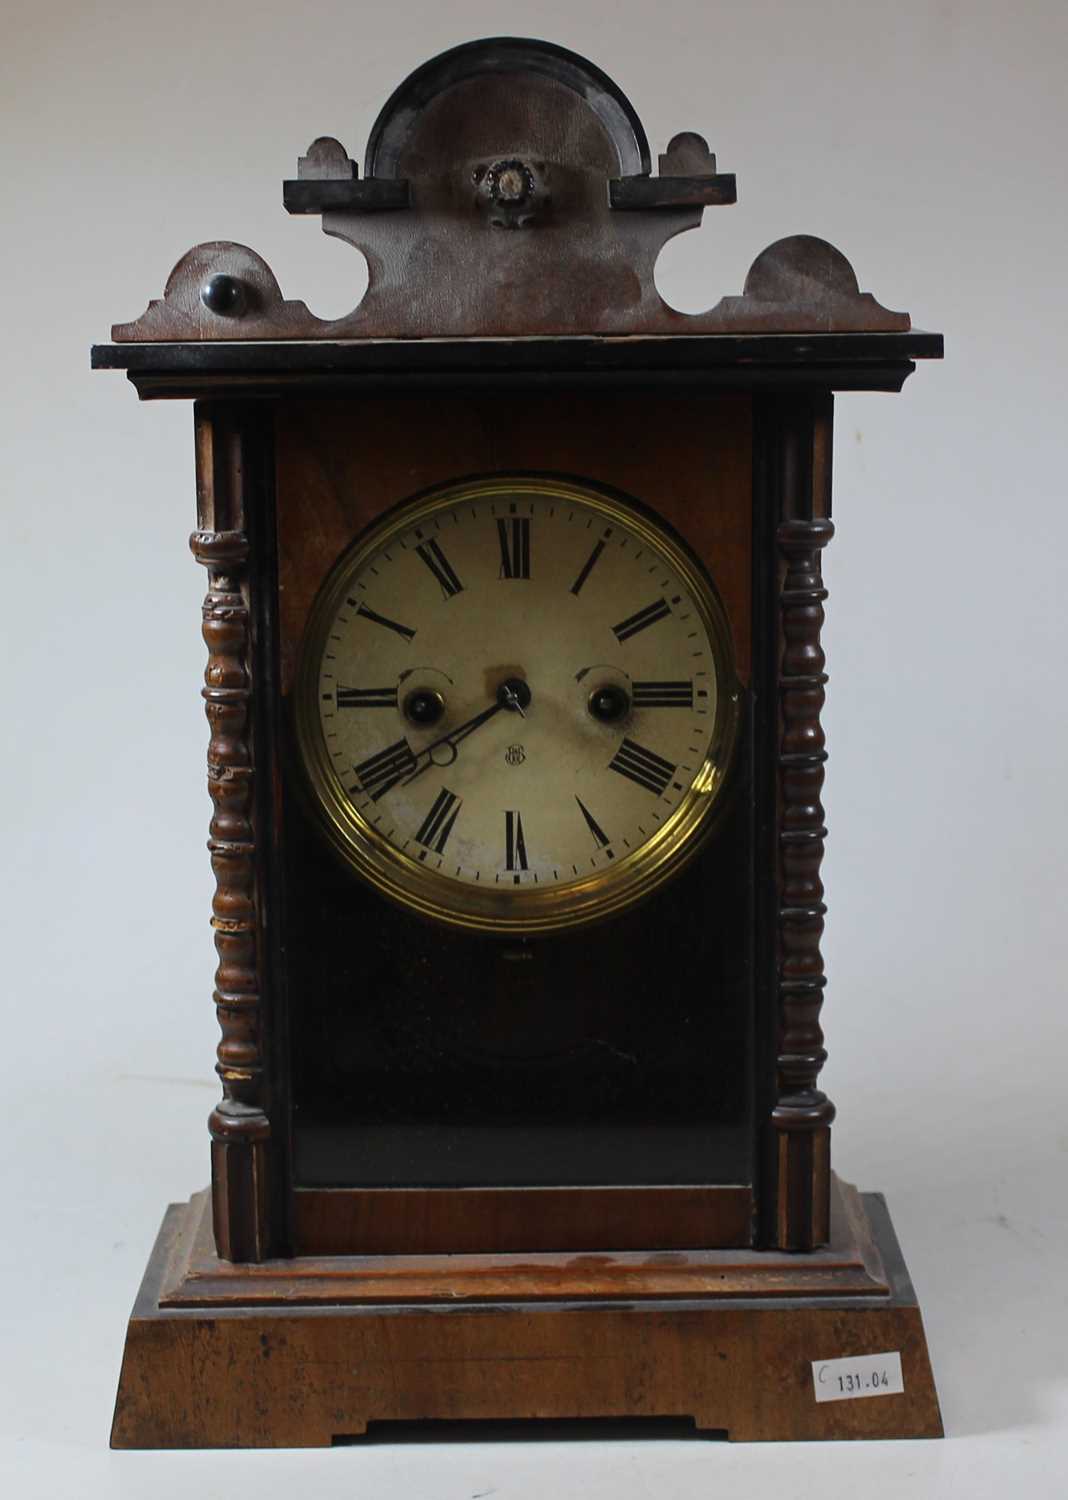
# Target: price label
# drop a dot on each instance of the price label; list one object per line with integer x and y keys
{"x": 850, "y": 1379}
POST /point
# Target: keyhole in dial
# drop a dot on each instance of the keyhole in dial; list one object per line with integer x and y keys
{"x": 424, "y": 707}
{"x": 609, "y": 704}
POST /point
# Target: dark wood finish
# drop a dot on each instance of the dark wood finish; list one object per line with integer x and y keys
{"x": 634, "y": 193}
{"x": 803, "y": 1113}
{"x": 151, "y": 386}
{"x": 688, "y": 458}
{"x": 512, "y": 322}
{"x": 795, "y": 489}
{"x": 798, "y": 285}
{"x": 392, "y": 1220}
{"x": 308, "y": 1353}
{"x": 527, "y": 138}
{"x": 849, "y": 1266}
{"x": 239, "y": 1125}
{"x": 366, "y": 195}
{"x": 403, "y": 115}
{"x": 173, "y": 371}
{"x": 336, "y": 490}
{"x": 687, "y": 178}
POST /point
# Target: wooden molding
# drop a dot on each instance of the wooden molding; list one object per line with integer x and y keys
{"x": 849, "y": 1266}
{"x": 311, "y": 1352}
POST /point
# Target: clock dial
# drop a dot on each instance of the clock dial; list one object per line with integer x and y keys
{"x": 516, "y": 703}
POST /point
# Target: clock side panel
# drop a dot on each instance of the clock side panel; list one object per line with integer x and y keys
{"x": 428, "y": 1060}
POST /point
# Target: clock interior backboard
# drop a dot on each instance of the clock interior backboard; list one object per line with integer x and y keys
{"x": 426, "y": 1057}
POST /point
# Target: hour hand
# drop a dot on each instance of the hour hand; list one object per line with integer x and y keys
{"x": 425, "y": 759}
{"x": 513, "y": 694}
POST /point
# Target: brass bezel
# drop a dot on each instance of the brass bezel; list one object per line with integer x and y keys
{"x": 526, "y": 911}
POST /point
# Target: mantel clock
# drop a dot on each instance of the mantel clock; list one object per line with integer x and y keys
{"x": 514, "y": 688}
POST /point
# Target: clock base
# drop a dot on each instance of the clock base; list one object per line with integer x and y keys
{"x": 311, "y": 1352}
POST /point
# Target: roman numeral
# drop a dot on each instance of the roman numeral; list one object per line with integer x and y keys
{"x": 515, "y": 848}
{"x": 514, "y": 537}
{"x": 381, "y": 772}
{"x": 642, "y": 620}
{"x": 587, "y": 568}
{"x": 371, "y": 614}
{"x": 651, "y": 771}
{"x": 441, "y": 568}
{"x": 592, "y": 824}
{"x": 383, "y": 697}
{"x": 662, "y": 694}
{"x": 437, "y": 825}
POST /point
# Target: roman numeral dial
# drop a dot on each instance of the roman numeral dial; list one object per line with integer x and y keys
{"x": 588, "y": 566}
{"x": 404, "y": 631}
{"x": 644, "y": 767}
{"x": 440, "y": 567}
{"x": 515, "y": 844}
{"x": 379, "y": 774}
{"x": 515, "y": 703}
{"x": 513, "y": 537}
{"x": 352, "y": 697}
{"x": 439, "y": 821}
{"x": 662, "y": 694}
{"x": 641, "y": 620}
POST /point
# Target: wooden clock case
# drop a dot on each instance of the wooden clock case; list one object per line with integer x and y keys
{"x": 420, "y": 1211}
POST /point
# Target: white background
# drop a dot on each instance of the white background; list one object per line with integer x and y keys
{"x": 927, "y": 140}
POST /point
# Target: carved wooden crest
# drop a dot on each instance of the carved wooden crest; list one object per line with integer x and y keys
{"x": 508, "y": 191}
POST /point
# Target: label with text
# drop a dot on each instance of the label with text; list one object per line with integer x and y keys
{"x": 864, "y": 1375}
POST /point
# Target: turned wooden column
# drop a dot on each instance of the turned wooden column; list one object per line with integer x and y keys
{"x": 240, "y": 1126}
{"x": 802, "y": 1115}
{"x": 796, "y": 498}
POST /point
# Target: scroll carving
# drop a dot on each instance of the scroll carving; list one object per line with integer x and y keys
{"x": 803, "y": 1113}
{"x": 508, "y": 134}
{"x": 188, "y": 311}
{"x": 239, "y": 1124}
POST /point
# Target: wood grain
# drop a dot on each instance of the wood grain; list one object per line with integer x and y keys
{"x": 331, "y": 1221}
{"x": 698, "y": 363}
{"x": 239, "y": 1125}
{"x": 848, "y": 1266}
{"x": 274, "y": 1374}
{"x": 803, "y": 1113}
{"x": 792, "y": 501}
{"x": 568, "y": 247}
{"x": 341, "y": 464}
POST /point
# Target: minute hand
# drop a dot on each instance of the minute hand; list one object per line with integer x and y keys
{"x": 424, "y": 760}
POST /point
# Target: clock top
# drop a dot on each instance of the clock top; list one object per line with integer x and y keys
{"x": 508, "y": 193}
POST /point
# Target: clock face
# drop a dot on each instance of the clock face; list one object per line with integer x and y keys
{"x": 516, "y": 704}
